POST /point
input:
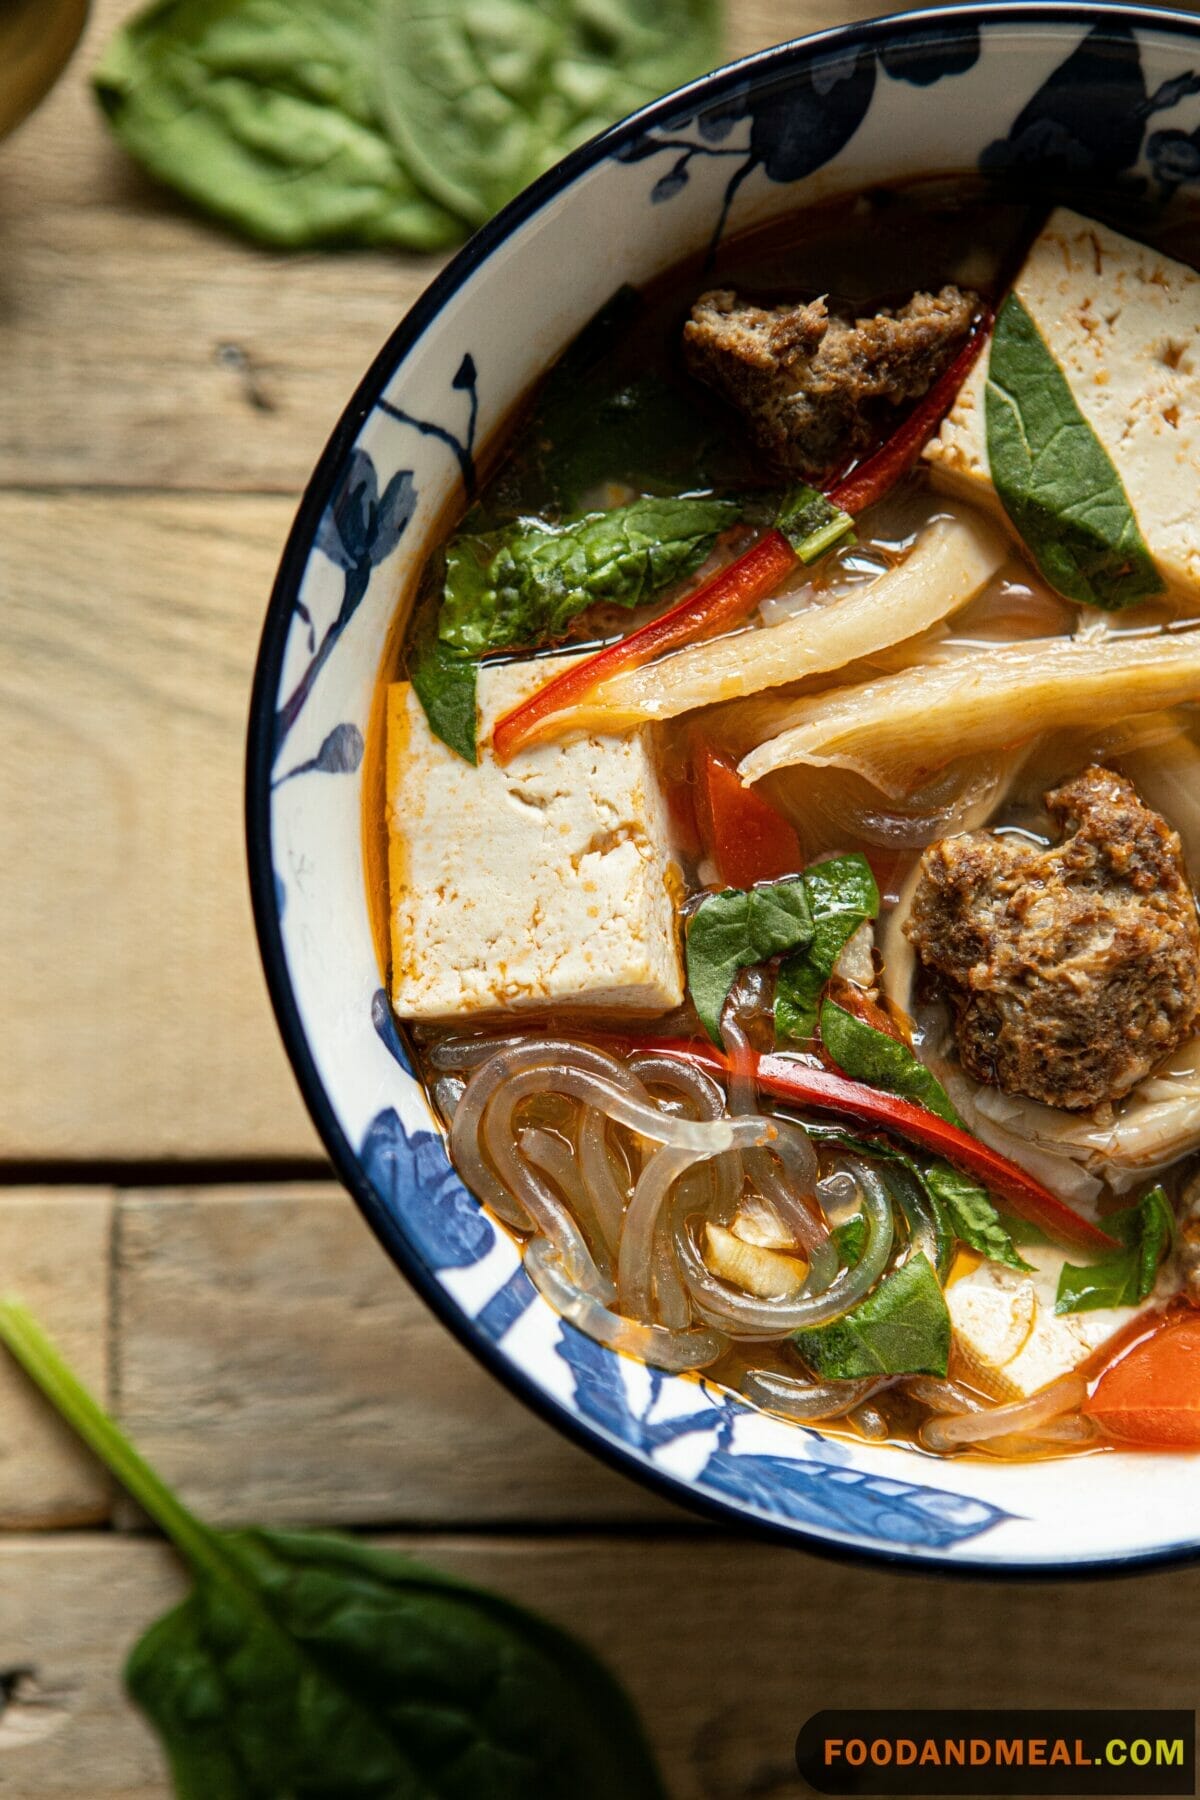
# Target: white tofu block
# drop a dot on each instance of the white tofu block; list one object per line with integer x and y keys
{"x": 1006, "y": 1330}
{"x": 1123, "y": 324}
{"x": 546, "y": 883}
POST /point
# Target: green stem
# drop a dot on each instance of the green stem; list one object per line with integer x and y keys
{"x": 24, "y": 1337}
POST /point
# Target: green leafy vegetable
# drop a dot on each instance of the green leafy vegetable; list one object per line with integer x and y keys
{"x": 445, "y": 685}
{"x": 734, "y": 930}
{"x": 973, "y": 1218}
{"x": 306, "y": 1664}
{"x": 1022, "y": 1231}
{"x": 811, "y": 523}
{"x": 267, "y": 113}
{"x": 850, "y": 1239}
{"x": 881, "y": 1061}
{"x": 842, "y": 894}
{"x": 927, "y": 1220}
{"x": 601, "y": 417}
{"x": 481, "y": 98}
{"x": 1124, "y": 1277}
{"x": 1055, "y": 479}
{"x": 903, "y": 1328}
{"x": 523, "y": 585}
{"x": 956, "y": 1208}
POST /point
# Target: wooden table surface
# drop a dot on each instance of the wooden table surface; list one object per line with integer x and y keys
{"x": 165, "y": 391}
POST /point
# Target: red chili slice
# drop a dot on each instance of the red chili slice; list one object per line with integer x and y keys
{"x": 802, "y": 1084}
{"x": 723, "y": 600}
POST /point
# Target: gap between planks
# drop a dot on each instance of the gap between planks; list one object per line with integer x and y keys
{"x": 265, "y": 1355}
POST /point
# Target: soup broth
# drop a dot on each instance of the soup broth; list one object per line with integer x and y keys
{"x": 807, "y": 964}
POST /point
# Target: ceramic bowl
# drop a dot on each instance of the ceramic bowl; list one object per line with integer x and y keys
{"x": 1092, "y": 96}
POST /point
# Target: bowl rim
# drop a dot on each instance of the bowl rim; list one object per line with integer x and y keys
{"x": 775, "y": 59}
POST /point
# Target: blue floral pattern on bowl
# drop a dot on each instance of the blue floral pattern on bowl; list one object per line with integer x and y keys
{"x": 1060, "y": 98}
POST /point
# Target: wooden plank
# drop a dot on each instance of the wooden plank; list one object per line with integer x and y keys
{"x": 130, "y": 990}
{"x": 54, "y": 1255}
{"x": 188, "y": 359}
{"x": 727, "y": 1647}
{"x": 275, "y": 1366}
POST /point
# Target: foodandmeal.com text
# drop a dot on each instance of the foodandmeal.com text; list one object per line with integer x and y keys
{"x": 1010, "y": 1753}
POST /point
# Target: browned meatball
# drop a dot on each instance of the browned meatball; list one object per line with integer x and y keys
{"x": 815, "y": 388}
{"x": 1072, "y": 970}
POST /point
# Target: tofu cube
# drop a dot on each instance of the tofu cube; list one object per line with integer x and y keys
{"x": 1006, "y": 1331}
{"x": 1123, "y": 323}
{"x": 548, "y": 883}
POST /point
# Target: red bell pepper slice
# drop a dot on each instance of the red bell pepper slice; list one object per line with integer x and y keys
{"x": 742, "y": 832}
{"x": 872, "y": 479}
{"x": 802, "y": 1084}
{"x": 734, "y": 591}
{"x": 721, "y": 601}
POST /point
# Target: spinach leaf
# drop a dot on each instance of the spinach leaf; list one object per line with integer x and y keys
{"x": 445, "y": 685}
{"x": 958, "y": 1209}
{"x": 1123, "y": 1277}
{"x": 972, "y": 1216}
{"x": 927, "y": 1220}
{"x": 850, "y": 1239}
{"x": 303, "y": 1663}
{"x": 881, "y": 1061}
{"x": 267, "y": 114}
{"x": 1022, "y": 1231}
{"x": 1055, "y": 479}
{"x": 842, "y": 894}
{"x": 734, "y": 930}
{"x": 602, "y": 417}
{"x": 480, "y": 100}
{"x": 811, "y": 523}
{"x": 903, "y": 1328}
{"x": 523, "y": 585}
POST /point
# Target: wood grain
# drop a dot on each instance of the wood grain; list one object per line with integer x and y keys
{"x": 737, "y": 1648}
{"x": 275, "y": 1368}
{"x": 131, "y": 998}
{"x": 219, "y": 365}
{"x": 54, "y": 1255}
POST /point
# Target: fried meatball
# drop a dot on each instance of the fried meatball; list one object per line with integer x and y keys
{"x": 816, "y": 388}
{"x": 1072, "y": 970}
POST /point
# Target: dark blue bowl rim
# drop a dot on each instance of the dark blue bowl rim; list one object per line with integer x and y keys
{"x": 780, "y": 59}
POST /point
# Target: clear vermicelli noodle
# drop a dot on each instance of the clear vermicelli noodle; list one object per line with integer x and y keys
{"x": 784, "y": 828}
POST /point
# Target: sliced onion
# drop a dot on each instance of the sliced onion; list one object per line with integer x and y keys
{"x": 746, "y": 1316}
{"x": 1021, "y": 1418}
{"x": 804, "y": 1401}
{"x": 654, "y": 1344}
